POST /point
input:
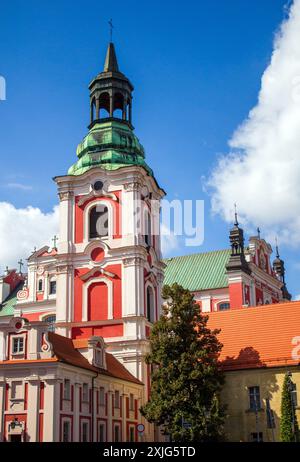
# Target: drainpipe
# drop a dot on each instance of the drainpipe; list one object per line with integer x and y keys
{"x": 93, "y": 413}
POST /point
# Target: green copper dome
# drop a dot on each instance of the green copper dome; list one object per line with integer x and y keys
{"x": 111, "y": 145}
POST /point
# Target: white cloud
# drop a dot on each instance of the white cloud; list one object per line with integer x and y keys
{"x": 23, "y": 229}
{"x": 22, "y": 187}
{"x": 169, "y": 242}
{"x": 297, "y": 298}
{"x": 262, "y": 171}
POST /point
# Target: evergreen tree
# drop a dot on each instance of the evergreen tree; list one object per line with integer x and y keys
{"x": 186, "y": 379}
{"x": 289, "y": 429}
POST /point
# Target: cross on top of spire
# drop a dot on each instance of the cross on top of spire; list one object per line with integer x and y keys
{"x": 277, "y": 248}
{"x": 54, "y": 240}
{"x": 236, "y": 223}
{"x": 21, "y": 264}
{"x": 258, "y": 232}
{"x": 111, "y": 28}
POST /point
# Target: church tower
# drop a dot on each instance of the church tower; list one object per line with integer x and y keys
{"x": 109, "y": 268}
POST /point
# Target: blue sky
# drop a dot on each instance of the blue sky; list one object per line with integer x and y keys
{"x": 196, "y": 67}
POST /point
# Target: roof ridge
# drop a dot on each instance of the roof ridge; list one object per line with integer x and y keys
{"x": 197, "y": 254}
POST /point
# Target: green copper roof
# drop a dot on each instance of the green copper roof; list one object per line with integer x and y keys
{"x": 111, "y": 145}
{"x": 8, "y": 306}
{"x": 199, "y": 271}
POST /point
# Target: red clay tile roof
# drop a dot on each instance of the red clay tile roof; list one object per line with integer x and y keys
{"x": 65, "y": 351}
{"x": 116, "y": 369}
{"x": 258, "y": 337}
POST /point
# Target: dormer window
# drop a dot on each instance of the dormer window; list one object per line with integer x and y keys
{"x": 224, "y": 306}
{"x": 18, "y": 345}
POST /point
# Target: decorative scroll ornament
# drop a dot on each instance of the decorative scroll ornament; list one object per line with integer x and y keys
{"x": 23, "y": 295}
{"x": 46, "y": 347}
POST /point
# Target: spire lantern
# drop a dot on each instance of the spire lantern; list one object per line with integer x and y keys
{"x": 237, "y": 259}
{"x": 279, "y": 270}
{"x": 111, "y": 93}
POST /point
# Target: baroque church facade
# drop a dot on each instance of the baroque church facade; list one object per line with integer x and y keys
{"x": 74, "y": 331}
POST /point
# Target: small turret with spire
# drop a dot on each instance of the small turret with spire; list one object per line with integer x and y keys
{"x": 237, "y": 259}
{"x": 279, "y": 270}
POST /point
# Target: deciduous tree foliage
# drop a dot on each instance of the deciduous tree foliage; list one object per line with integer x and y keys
{"x": 289, "y": 430}
{"x": 186, "y": 379}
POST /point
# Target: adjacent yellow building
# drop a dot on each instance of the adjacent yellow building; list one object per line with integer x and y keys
{"x": 261, "y": 345}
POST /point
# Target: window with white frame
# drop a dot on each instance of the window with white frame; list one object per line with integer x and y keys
{"x": 51, "y": 320}
{"x": 117, "y": 433}
{"x": 254, "y": 398}
{"x": 67, "y": 389}
{"x": 85, "y": 432}
{"x": 85, "y": 392}
{"x": 18, "y": 345}
{"x": 150, "y": 301}
{"x": 131, "y": 402}
{"x": 66, "y": 431}
{"x": 102, "y": 432}
{"x": 99, "y": 357}
{"x": 40, "y": 285}
{"x": 102, "y": 396}
{"x": 52, "y": 287}
{"x": 17, "y": 390}
{"x": 131, "y": 434}
{"x": 117, "y": 399}
{"x": 224, "y": 306}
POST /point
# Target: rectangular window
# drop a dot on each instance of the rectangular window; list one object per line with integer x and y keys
{"x": 102, "y": 397}
{"x": 257, "y": 437}
{"x": 117, "y": 433}
{"x": 18, "y": 345}
{"x": 102, "y": 433}
{"x": 67, "y": 389}
{"x": 131, "y": 434}
{"x": 52, "y": 287}
{"x": 224, "y": 306}
{"x": 294, "y": 394}
{"x": 66, "y": 431}
{"x": 117, "y": 399}
{"x": 131, "y": 402}
{"x": 85, "y": 432}
{"x": 85, "y": 392}
{"x": 17, "y": 390}
{"x": 254, "y": 398}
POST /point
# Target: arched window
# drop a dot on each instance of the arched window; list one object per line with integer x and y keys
{"x": 40, "y": 285}
{"x": 93, "y": 110}
{"x": 51, "y": 320}
{"x": 148, "y": 229}
{"x": 104, "y": 105}
{"x": 118, "y": 106}
{"x": 150, "y": 304}
{"x": 98, "y": 221}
